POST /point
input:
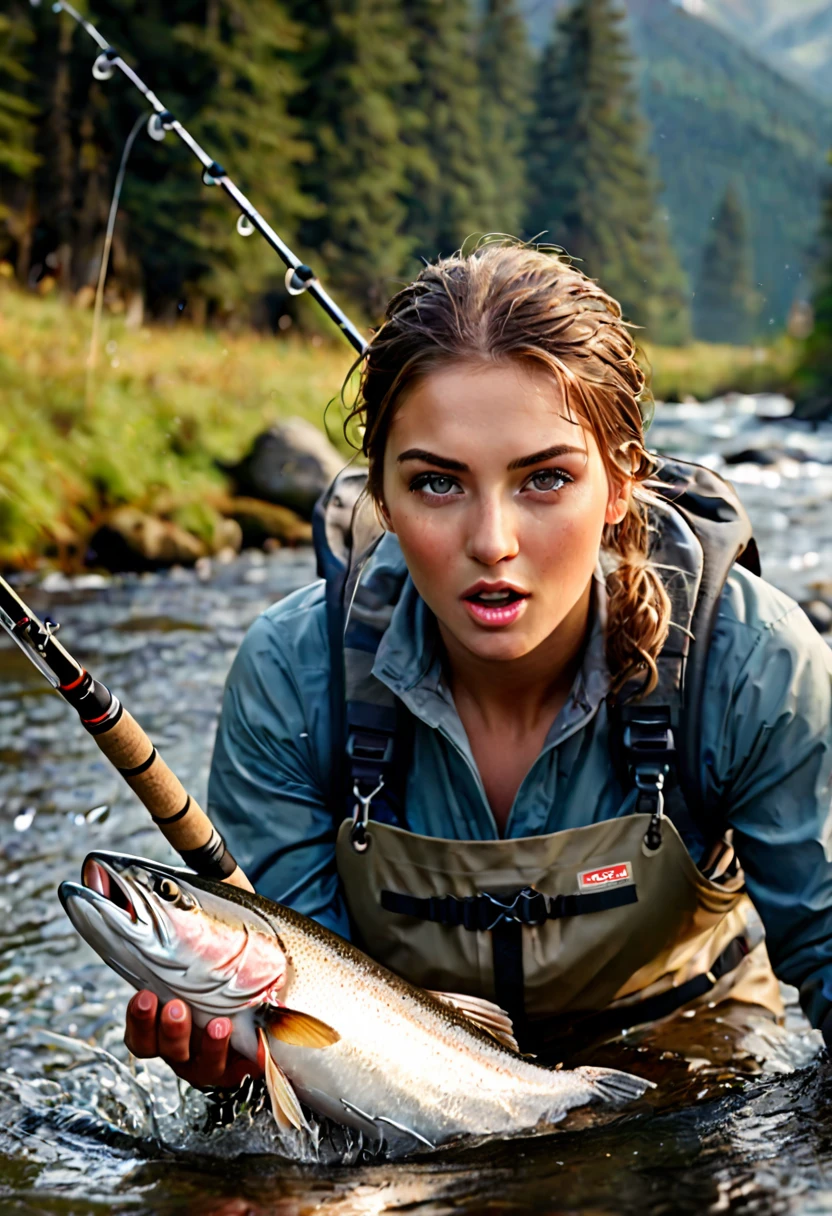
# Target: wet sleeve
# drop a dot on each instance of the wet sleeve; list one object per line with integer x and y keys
{"x": 771, "y": 762}
{"x": 267, "y": 793}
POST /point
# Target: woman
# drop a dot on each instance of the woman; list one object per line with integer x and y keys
{"x": 516, "y": 607}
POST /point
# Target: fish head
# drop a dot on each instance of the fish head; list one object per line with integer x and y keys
{"x": 163, "y": 928}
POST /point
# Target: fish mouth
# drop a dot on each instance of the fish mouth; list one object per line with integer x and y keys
{"x": 109, "y": 886}
{"x": 102, "y": 878}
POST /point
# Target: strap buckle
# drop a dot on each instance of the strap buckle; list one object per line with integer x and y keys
{"x": 650, "y": 750}
{"x": 528, "y": 906}
{"x": 359, "y": 839}
{"x": 370, "y": 745}
{"x": 649, "y": 781}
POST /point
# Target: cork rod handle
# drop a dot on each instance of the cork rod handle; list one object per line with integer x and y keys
{"x": 183, "y": 822}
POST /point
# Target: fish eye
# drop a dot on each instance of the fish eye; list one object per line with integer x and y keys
{"x": 172, "y": 893}
{"x": 168, "y": 890}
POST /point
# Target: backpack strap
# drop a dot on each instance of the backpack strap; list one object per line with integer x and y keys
{"x": 646, "y": 730}
{"x": 332, "y": 538}
{"x": 702, "y": 530}
{"x": 376, "y": 724}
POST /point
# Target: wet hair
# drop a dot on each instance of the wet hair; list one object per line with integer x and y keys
{"x": 503, "y": 302}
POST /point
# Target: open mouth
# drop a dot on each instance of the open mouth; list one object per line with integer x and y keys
{"x": 495, "y": 599}
{"x": 495, "y": 605}
{"x": 98, "y": 877}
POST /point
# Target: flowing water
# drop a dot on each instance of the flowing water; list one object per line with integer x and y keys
{"x": 738, "y": 1121}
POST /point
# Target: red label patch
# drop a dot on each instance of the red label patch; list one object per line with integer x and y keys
{"x": 616, "y": 875}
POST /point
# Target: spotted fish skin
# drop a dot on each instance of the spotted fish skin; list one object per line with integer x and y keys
{"x": 354, "y": 1041}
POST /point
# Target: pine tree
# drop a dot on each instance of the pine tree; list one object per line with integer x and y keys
{"x": 726, "y": 303}
{"x": 247, "y": 126}
{"x": 814, "y": 376}
{"x": 449, "y": 190}
{"x": 220, "y": 66}
{"x": 18, "y": 158}
{"x": 592, "y": 183}
{"x": 354, "y": 62}
{"x": 506, "y": 74}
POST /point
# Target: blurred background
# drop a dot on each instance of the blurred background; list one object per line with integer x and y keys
{"x": 678, "y": 148}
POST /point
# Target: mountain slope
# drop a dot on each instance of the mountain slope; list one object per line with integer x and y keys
{"x": 794, "y": 36}
{"x": 719, "y": 115}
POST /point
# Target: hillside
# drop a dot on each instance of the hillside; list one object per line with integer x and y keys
{"x": 718, "y": 113}
{"x": 794, "y": 36}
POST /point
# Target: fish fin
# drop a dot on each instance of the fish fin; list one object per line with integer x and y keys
{"x": 285, "y": 1106}
{"x": 298, "y": 1029}
{"x": 375, "y": 1120}
{"x": 610, "y": 1085}
{"x": 485, "y": 1014}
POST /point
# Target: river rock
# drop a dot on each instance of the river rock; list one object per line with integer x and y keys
{"x": 132, "y": 540}
{"x": 261, "y": 521}
{"x": 765, "y": 456}
{"x": 820, "y": 614}
{"x": 290, "y": 464}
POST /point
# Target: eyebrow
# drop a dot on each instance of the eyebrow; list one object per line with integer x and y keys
{"x": 457, "y": 466}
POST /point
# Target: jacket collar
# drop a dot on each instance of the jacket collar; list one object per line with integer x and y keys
{"x": 408, "y": 662}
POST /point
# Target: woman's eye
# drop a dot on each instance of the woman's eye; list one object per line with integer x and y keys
{"x": 434, "y": 483}
{"x": 549, "y": 479}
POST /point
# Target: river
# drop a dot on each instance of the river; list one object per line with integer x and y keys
{"x": 83, "y": 1129}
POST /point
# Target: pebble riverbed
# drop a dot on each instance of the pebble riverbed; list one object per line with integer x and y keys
{"x": 83, "y": 1129}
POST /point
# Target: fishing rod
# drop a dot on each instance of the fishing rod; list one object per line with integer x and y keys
{"x": 300, "y": 278}
{"x": 182, "y": 821}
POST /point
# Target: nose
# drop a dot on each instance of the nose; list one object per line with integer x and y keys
{"x": 493, "y": 533}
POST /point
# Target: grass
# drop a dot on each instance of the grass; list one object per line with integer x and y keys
{"x": 168, "y": 403}
{"x": 704, "y": 371}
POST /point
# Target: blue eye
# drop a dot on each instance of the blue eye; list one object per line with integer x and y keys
{"x": 438, "y": 484}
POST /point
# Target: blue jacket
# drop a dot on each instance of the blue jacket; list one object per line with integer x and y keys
{"x": 765, "y": 758}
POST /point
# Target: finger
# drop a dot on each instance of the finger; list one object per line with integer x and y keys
{"x": 175, "y": 1032}
{"x": 213, "y": 1051}
{"x": 140, "y": 1029}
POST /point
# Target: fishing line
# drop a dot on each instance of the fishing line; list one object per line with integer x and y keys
{"x": 105, "y": 255}
{"x": 300, "y": 278}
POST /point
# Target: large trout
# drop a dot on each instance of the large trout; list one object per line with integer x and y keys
{"x": 347, "y": 1037}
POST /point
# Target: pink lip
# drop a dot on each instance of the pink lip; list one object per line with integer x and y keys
{"x": 484, "y": 585}
{"x": 492, "y": 616}
{"x": 495, "y": 617}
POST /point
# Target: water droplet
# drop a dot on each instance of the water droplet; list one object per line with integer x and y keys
{"x": 25, "y": 819}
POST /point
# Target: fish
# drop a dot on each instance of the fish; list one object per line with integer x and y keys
{"x": 336, "y": 1032}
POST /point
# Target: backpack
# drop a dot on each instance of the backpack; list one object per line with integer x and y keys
{"x": 699, "y": 530}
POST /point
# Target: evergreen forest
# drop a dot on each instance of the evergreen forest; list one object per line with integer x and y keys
{"x": 373, "y": 133}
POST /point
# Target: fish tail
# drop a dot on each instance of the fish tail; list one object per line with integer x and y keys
{"x": 610, "y": 1085}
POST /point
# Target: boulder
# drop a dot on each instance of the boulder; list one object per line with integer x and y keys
{"x": 290, "y": 465}
{"x": 820, "y": 614}
{"x": 766, "y": 456}
{"x": 261, "y": 521}
{"x": 129, "y": 539}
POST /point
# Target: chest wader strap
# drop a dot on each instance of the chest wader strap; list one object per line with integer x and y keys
{"x": 504, "y": 917}
{"x": 650, "y": 756}
{"x": 377, "y": 728}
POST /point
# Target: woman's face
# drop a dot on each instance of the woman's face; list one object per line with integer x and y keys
{"x": 499, "y": 502}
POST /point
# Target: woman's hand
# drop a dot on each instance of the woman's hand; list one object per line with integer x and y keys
{"x": 200, "y": 1057}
